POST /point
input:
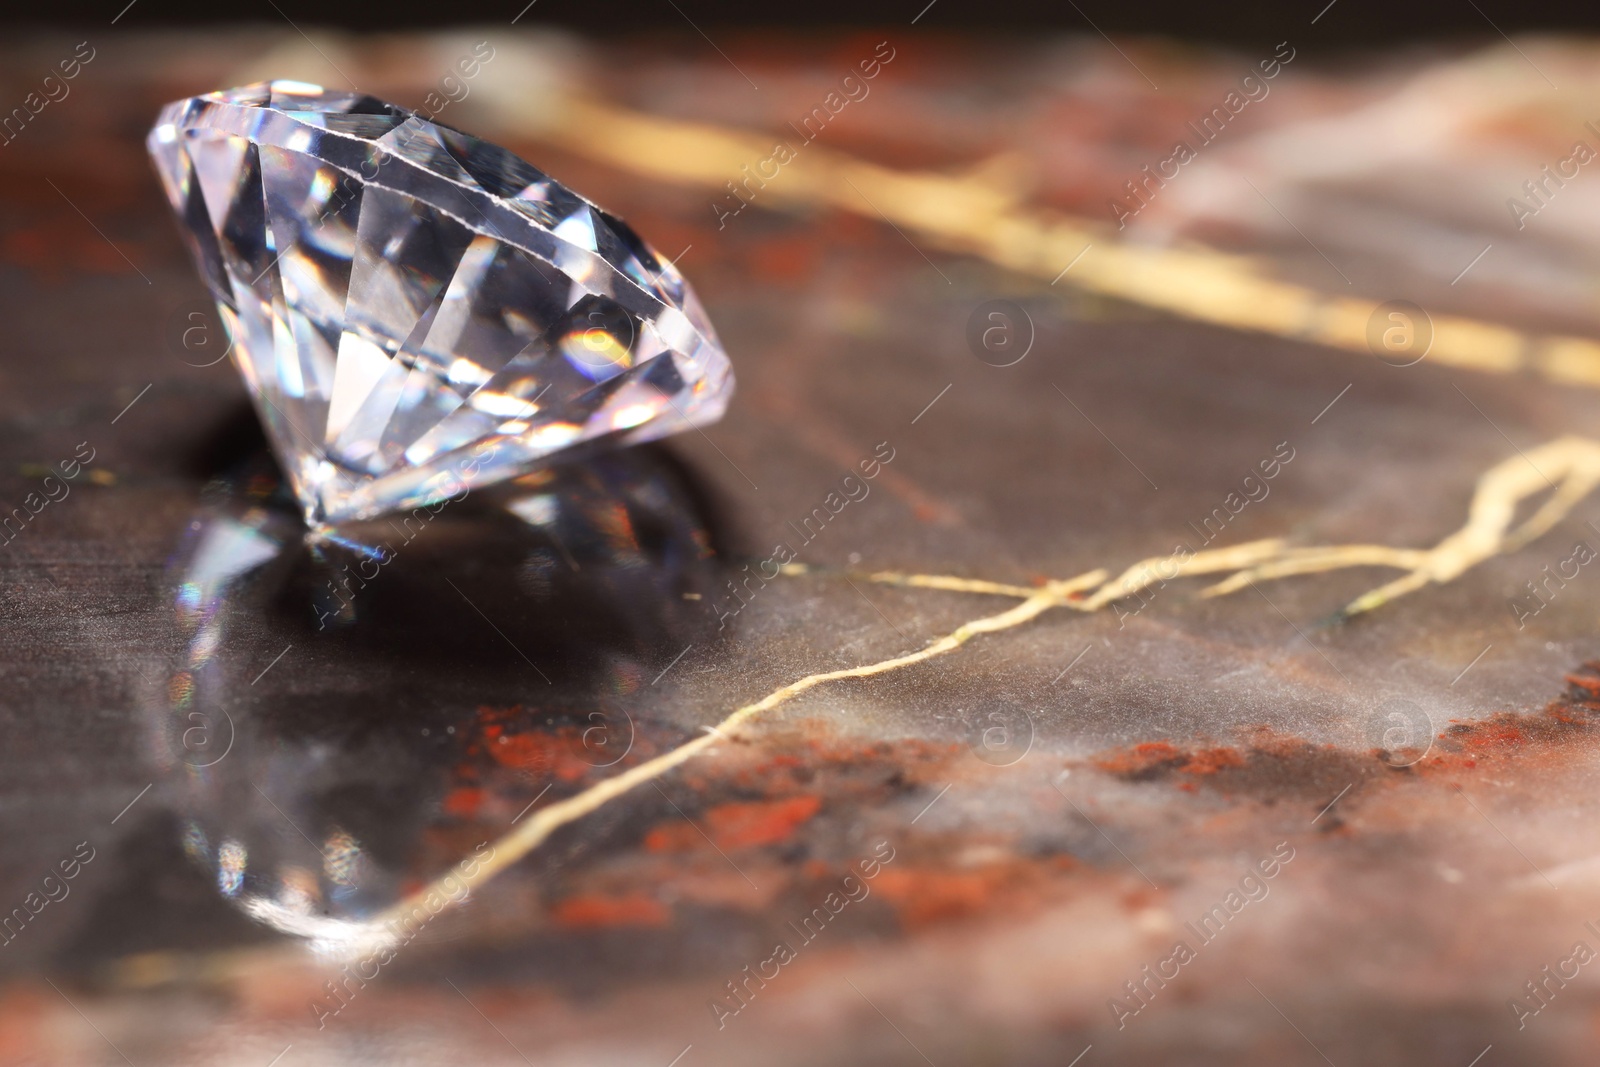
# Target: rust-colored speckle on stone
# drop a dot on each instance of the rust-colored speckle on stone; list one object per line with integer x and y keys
{"x": 596, "y": 911}
{"x": 1212, "y": 760}
{"x": 1273, "y": 766}
{"x": 1495, "y": 732}
{"x": 1142, "y": 762}
{"x": 925, "y": 894}
{"x": 737, "y": 825}
{"x": 1269, "y": 766}
{"x": 463, "y": 802}
{"x": 543, "y": 751}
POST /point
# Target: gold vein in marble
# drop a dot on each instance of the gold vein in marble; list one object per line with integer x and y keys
{"x": 1569, "y": 465}
{"x": 980, "y": 213}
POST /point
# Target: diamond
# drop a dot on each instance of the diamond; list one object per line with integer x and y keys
{"x": 415, "y": 311}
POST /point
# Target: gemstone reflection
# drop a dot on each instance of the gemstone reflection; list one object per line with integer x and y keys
{"x": 337, "y": 732}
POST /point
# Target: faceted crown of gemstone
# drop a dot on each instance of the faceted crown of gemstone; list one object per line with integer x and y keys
{"x": 415, "y": 311}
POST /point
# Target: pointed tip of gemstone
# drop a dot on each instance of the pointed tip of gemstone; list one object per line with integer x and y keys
{"x": 417, "y": 312}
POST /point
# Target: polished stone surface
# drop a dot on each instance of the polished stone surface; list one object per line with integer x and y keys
{"x": 256, "y": 736}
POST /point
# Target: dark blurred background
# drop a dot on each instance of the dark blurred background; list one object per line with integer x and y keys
{"x": 1342, "y": 24}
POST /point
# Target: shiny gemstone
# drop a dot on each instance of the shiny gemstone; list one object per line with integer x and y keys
{"x": 415, "y": 311}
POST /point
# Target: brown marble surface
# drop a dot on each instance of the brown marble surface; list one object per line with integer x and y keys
{"x": 1061, "y": 801}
